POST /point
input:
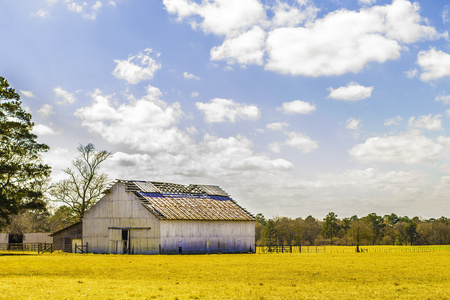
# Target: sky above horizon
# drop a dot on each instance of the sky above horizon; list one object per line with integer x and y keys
{"x": 294, "y": 108}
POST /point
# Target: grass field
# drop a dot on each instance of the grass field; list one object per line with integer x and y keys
{"x": 344, "y": 275}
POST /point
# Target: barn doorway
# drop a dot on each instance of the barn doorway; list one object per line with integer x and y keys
{"x": 126, "y": 241}
{"x": 15, "y": 238}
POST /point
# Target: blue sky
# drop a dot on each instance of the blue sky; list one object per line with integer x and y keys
{"x": 295, "y": 108}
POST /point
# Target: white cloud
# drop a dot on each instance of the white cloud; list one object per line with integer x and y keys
{"x": 297, "y": 107}
{"x": 428, "y": 122}
{"x": 221, "y": 17}
{"x": 393, "y": 121}
{"x": 411, "y": 73}
{"x": 275, "y": 147}
{"x": 367, "y": 2}
{"x": 42, "y": 13}
{"x": 137, "y": 67}
{"x": 353, "y": 124}
{"x": 63, "y": 96}
{"x": 195, "y": 94}
{"x": 73, "y": 6}
{"x": 27, "y": 94}
{"x": 351, "y": 92}
{"x": 445, "y": 14}
{"x": 346, "y": 41}
{"x": 247, "y": 48}
{"x": 277, "y": 125}
{"x": 410, "y": 148}
{"x": 150, "y": 125}
{"x": 300, "y": 141}
{"x": 146, "y": 124}
{"x": 95, "y": 9}
{"x": 443, "y": 98}
{"x": 434, "y": 64}
{"x": 41, "y": 129}
{"x": 190, "y": 76}
{"x": 300, "y": 44}
{"x": 286, "y": 15}
{"x": 46, "y": 110}
{"x": 112, "y": 3}
{"x": 222, "y": 110}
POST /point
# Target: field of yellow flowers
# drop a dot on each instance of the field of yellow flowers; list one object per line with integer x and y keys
{"x": 336, "y": 275}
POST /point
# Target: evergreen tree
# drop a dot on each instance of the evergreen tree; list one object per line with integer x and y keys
{"x": 22, "y": 173}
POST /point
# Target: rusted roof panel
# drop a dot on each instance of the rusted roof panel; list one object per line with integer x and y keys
{"x": 195, "y": 202}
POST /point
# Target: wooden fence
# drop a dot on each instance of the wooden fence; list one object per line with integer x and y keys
{"x": 347, "y": 249}
{"x": 43, "y": 247}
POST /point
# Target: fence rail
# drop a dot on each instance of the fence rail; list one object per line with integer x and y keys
{"x": 43, "y": 247}
{"x": 347, "y": 249}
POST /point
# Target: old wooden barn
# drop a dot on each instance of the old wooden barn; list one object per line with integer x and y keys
{"x": 143, "y": 217}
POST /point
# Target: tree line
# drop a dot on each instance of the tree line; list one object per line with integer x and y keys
{"x": 352, "y": 231}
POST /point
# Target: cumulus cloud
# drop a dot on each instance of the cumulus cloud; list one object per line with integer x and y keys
{"x": 297, "y": 107}
{"x": 146, "y": 124}
{"x": 46, "y": 110}
{"x": 137, "y": 67}
{"x": 353, "y": 124}
{"x": 41, "y": 129}
{"x": 427, "y": 122}
{"x": 63, "y": 96}
{"x": 393, "y": 121}
{"x": 42, "y": 13}
{"x": 290, "y": 39}
{"x": 409, "y": 148}
{"x": 346, "y": 41}
{"x": 27, "y": 94}
{"x": 285, "y": 15}
{"x": 443, "y": 98}
{"x": 301, "y": 142}
{"x": 223, "y": 110}
{"x": 411, "y": 73}
{"x": 351, "y": 92}
{"x": 435, "y": 64}
{"x": 277, "y": 125}
{"x": 247, "y": 48}
{"x": 367, "y": 2}
{"x": 190, "y": 76}
{"x": 221, "y": 17}
{"x": 446, "y": 14}
{"x": 150, "y": 125}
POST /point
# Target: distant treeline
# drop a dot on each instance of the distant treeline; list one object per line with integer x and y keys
{"x": 369, "y": 230}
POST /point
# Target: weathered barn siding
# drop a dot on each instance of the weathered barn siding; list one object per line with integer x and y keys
{"x": 197, "y": 236}
{"x": 4, "y": 238}
{"x": 119, "y": 211}
{"x": 63, "y": 239}
{"x": 31, "y": 238}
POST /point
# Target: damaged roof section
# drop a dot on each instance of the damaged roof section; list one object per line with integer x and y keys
{"x": 171, "y": 201}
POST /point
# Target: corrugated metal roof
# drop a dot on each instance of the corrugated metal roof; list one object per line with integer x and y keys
{"x": 207, "y": 189}
{"x": 195, "y": 202}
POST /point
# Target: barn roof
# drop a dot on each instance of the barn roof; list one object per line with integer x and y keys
{"x": 171, "y": 201}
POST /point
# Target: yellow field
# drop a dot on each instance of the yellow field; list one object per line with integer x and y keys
{"x": 345, "y": 275}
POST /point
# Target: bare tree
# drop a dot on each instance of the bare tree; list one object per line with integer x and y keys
{"x": 85, "y": 184}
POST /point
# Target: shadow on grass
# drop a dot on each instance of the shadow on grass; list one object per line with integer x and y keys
{"x": 16, "y": 254}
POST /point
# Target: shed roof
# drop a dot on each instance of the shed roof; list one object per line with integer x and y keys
{"x": 171, "y": 201}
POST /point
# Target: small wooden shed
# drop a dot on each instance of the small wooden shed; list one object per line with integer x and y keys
{"x": 143, "y": 217}
{"x": 66, "y": 238}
